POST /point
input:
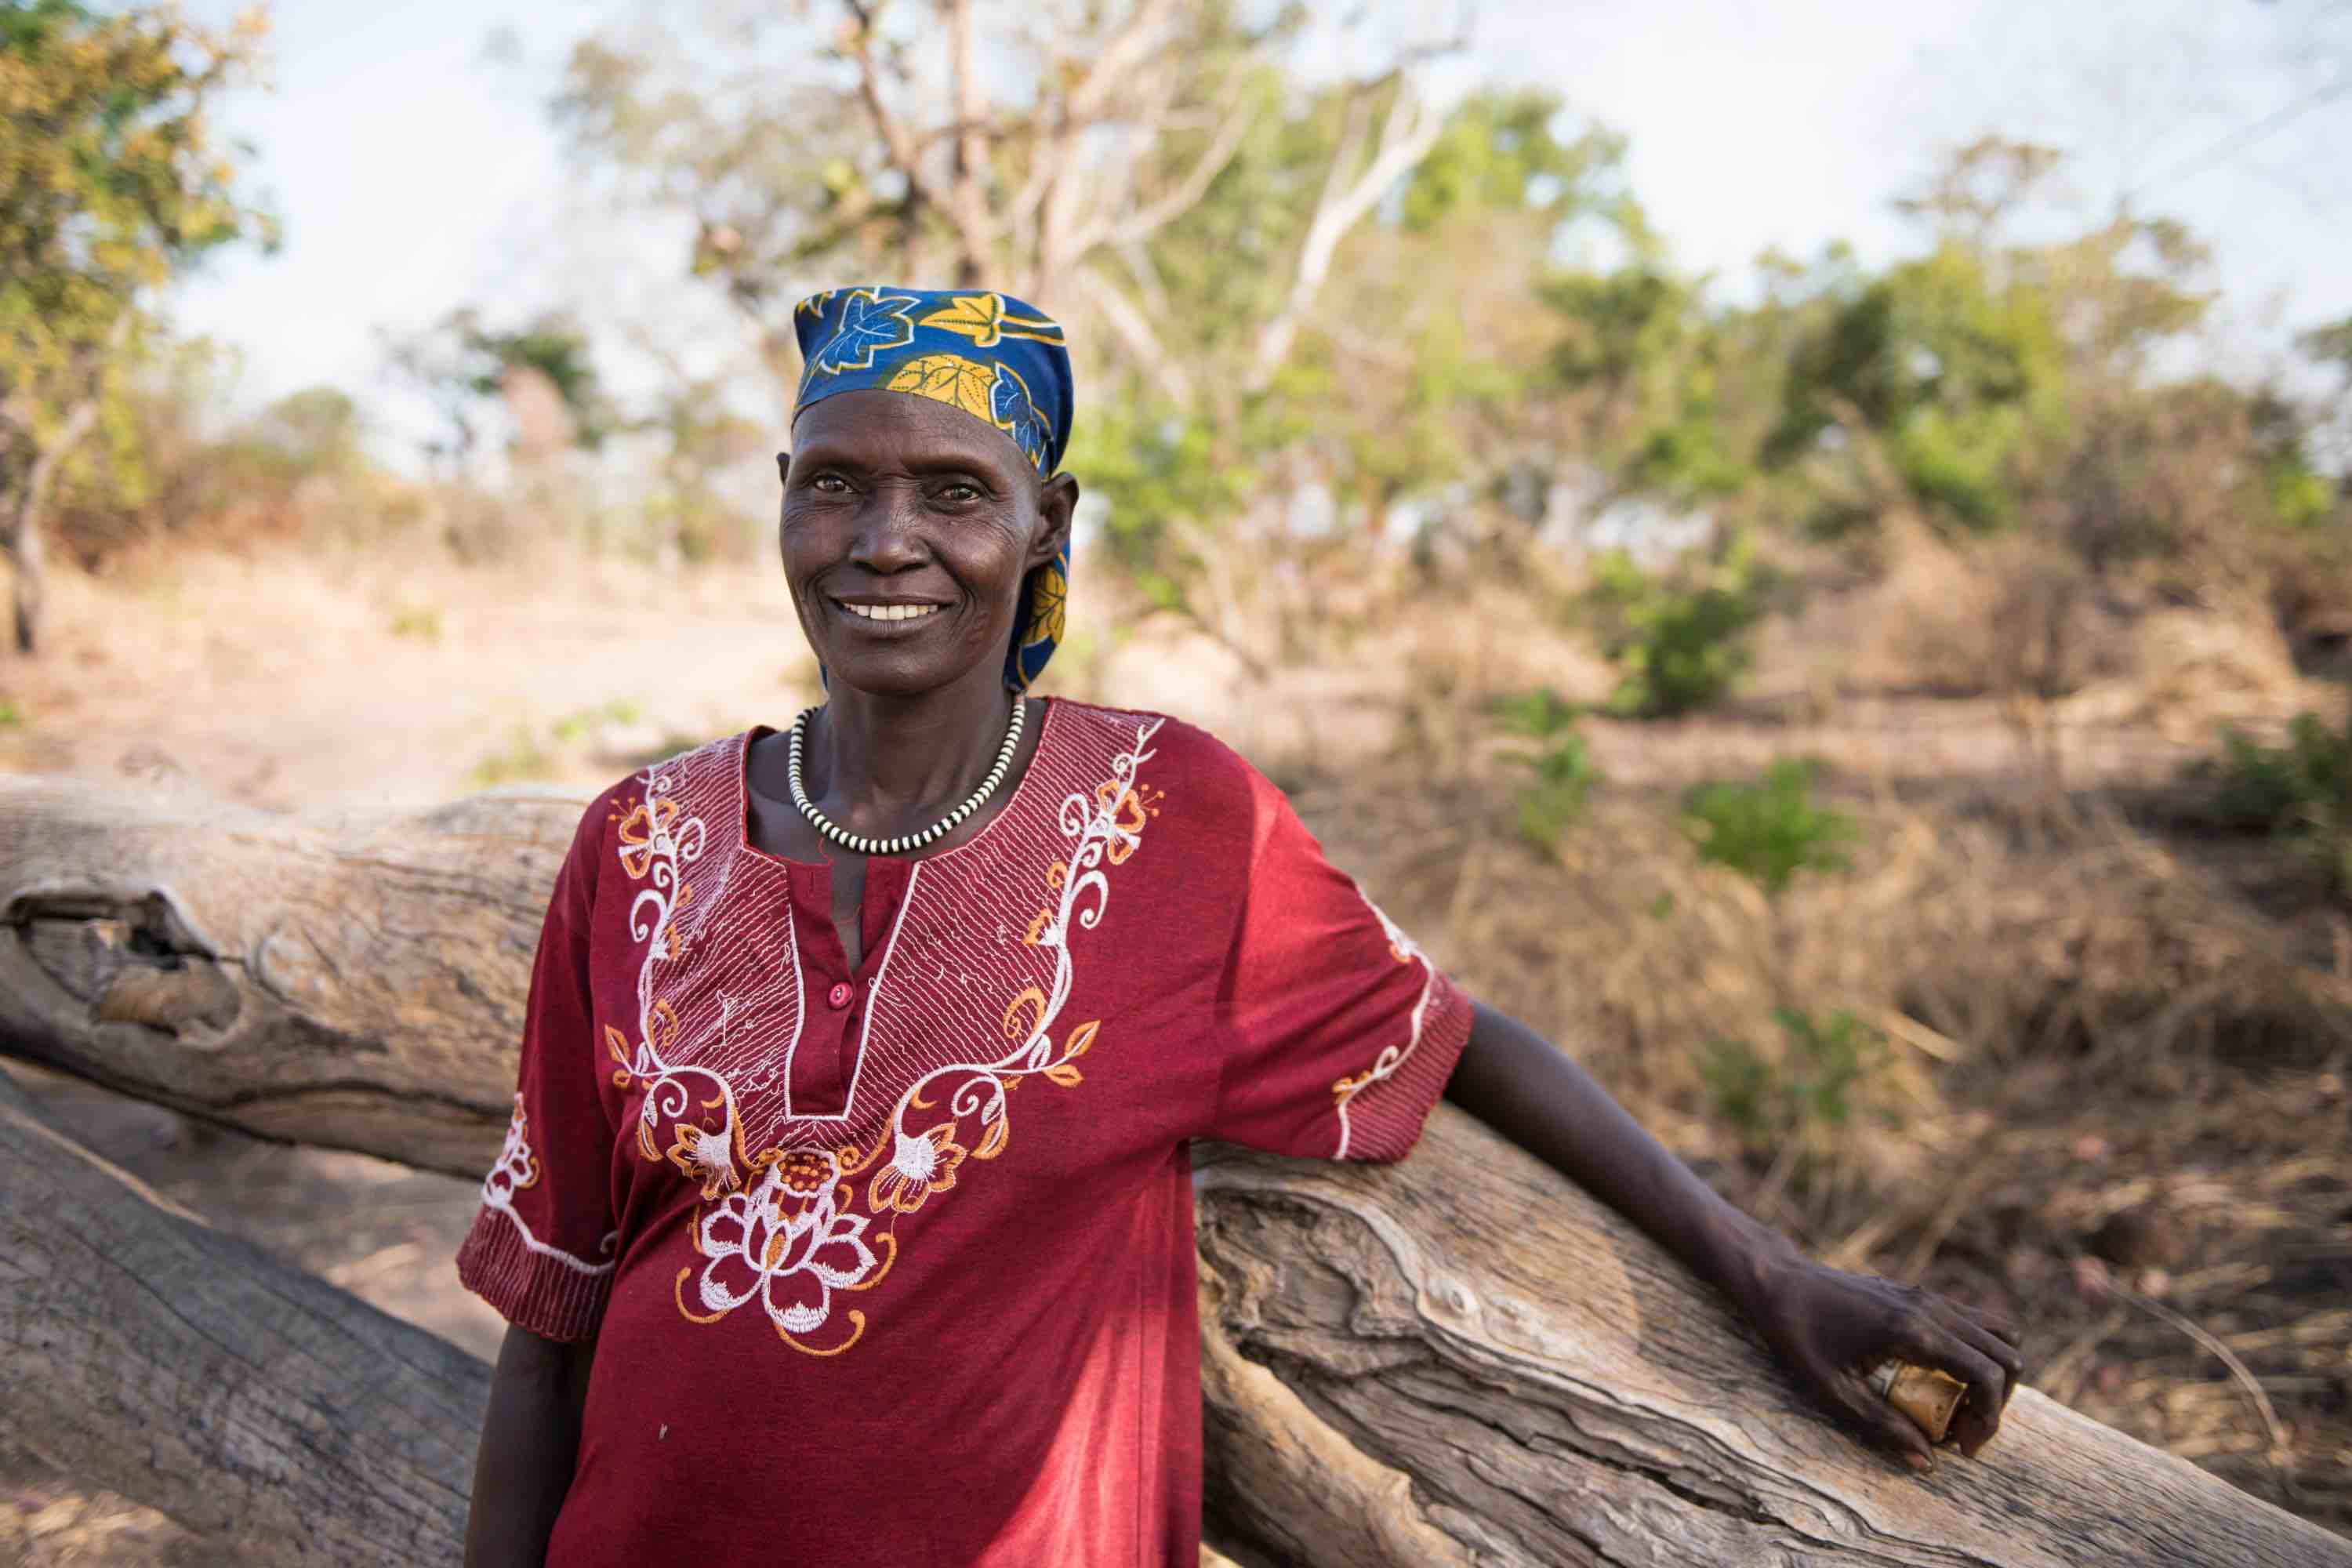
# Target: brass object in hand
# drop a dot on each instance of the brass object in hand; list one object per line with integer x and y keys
{"x": 1927, "y": 1396}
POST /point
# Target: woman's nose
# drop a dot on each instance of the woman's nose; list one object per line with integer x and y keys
{"x": 888, "y": 535}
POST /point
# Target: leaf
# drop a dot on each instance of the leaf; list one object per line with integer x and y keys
{"x": 1081, "y": 1037}
{"x": 1064, "y": 1074}
{"x": 950, "y": 379}
{"x": 1048, "y": 596}
{"x": 870, "y": 322}
{"x": 976, "y": 316}
{"x": 993, "y": 1144}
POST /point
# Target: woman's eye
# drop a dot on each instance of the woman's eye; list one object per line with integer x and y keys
{"x": 959, "y": 493}
{"x": 829, "y": 485}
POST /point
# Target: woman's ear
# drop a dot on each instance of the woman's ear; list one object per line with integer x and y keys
{"x": 1058, "y": 503}
{"x": 783, "y": 468}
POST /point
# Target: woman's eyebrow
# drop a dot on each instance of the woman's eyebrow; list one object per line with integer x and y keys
{"x": 977, "y": 465}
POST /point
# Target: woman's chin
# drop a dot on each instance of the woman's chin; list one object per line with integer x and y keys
{"x": 893, "y": 672}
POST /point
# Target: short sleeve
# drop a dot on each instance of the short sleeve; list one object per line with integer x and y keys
{"x": 1339, "y": 1033}
{"x": 542, "y": 1247}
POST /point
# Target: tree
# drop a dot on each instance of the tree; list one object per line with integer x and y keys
{"x": 1277, "y": 275}
{"x": 541, "y": 371}
{"x": 111, "y": 183}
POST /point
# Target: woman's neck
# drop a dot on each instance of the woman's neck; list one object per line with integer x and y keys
{"x": 874, "y": 762}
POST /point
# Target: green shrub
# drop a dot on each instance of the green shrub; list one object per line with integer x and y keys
{"x": 413, "y": 621}
{"x": 1771, "y": 830}
{"x": 1679, "y": 642}
{"x": 1810, "y": 1088}
{"x": 1559, "y": 766}
{"x": 2301, "y": 791}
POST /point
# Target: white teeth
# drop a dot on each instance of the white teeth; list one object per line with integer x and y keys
{"x": 891, "y": 612}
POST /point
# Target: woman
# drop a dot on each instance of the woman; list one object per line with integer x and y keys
{"x": 846, "y": 1212}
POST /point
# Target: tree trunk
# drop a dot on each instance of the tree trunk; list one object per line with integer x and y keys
{"x": 187, "y": 1369}
{"x": 26, "y": 552}
{"x": 357, "y": 985}
{"x": 1458, "y": 1359}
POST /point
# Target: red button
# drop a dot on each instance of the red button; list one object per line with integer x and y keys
{"x": 839, "y": 995}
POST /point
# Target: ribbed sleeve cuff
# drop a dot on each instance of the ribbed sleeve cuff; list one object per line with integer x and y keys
{"x": 1388, "y": 1116}
{"x": 544, "y": 1293}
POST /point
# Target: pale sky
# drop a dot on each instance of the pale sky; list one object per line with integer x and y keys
{"x": 414, "y": 168}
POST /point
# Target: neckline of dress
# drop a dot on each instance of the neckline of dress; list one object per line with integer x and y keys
{"x": 1046, "y": 726}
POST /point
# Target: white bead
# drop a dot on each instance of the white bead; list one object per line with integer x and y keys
{"x": 905, "y": 841}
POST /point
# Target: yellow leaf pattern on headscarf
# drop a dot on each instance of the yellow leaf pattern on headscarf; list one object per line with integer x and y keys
{"x": 976, "y": 316}
{"x": 950, "y": 379}
{"x": 1047, "y": 597}
{"x": 984, "y": 318}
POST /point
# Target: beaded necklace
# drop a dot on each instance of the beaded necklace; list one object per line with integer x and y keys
{"x": 905, "y": 841}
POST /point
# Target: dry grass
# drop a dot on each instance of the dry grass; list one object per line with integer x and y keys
{"x": 2081, "y": 1022}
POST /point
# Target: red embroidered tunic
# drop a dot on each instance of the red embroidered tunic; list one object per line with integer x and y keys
{"x": 896, "y": 1265}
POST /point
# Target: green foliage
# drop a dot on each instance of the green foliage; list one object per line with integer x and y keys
{"x": 1640, "y": 344}
{"x": 1560, "y": 767}
{"x": 1770, "y": 830}
{"x": 528, "y": 756}
{"x": 1808, "y": 1091}
{"x": 112, "y": 181}
{"x": 2301, "y": 792}
{"x": 420, "y": 622}
{"x": 1680, "y": 641}
{"x": 461, "y": 363}
{"x": 1940, "y": 365}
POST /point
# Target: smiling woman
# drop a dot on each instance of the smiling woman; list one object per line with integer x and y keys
{"x": 792, "y": 1265}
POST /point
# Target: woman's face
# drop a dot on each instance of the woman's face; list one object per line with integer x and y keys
{"x": 908, "y": 527}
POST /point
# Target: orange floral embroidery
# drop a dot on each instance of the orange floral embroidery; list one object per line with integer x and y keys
{"x": 704, "y": 1156}
{"x": 638, "y": 829}
{"x": 923, "y": 1164}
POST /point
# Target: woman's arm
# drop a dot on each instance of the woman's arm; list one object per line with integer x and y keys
{"x": 531, "y": 1436}
{"x": 1828, "y": 1326}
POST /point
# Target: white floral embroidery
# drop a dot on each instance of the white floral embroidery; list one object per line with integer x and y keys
{"x": 1095, "y": 823}
{"x": 518, "y": 1169}
{"x": 1392, "y": 1057}
{"x": 777, "y": 1228}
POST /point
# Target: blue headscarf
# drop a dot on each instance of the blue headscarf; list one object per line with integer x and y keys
{"x": 989, "y": 354}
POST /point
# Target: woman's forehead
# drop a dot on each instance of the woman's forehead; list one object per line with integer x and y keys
{"x": 879, "y": 426}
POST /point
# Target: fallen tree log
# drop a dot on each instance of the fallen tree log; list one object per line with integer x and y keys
{"x": 257, "y": 1404}
{"x": 1458, "y": 1359}
{"x": 355, "y": 983}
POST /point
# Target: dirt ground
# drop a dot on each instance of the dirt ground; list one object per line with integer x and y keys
{"x": 2165, "y": 1198}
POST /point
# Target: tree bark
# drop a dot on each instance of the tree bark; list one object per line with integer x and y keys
{"x": 1456, "y": 1360}
{"x": 25, "y": 551}
{"x": 189, "y": 1371}
{"x": 355, "y": 983}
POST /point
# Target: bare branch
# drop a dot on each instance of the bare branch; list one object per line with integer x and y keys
{"x": 1188, "y": 192}
{"x": 1406, "y": 137}
{"x": 1133, "y": 328}
{"x": 904, "y": 154}
{"x": 1126, "y": 49}
{"x": 1063, "y": 234}
{"x": 970, "y": 198}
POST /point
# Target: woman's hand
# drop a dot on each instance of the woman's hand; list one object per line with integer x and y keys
{"x": 1831, "y": 1328}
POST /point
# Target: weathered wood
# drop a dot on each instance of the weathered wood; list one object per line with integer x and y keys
{"x": 257, "y": 1404}
{"x": 1459, "y": 1360}
{"x": 1463, "y": 1360}
{"x": 355, "y": 983}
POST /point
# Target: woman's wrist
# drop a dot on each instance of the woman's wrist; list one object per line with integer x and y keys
{"x": 1746, "y": 1258}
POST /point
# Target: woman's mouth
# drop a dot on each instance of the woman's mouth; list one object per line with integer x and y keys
{"x": 885, "y": 614}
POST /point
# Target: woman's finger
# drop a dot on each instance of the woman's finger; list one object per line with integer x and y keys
{"x": 1926, "y": 1339}
{"x": 2000, "y": 1325}
{"x": 1879, "y": 1419}
{"x": 2004, "y": 1352}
